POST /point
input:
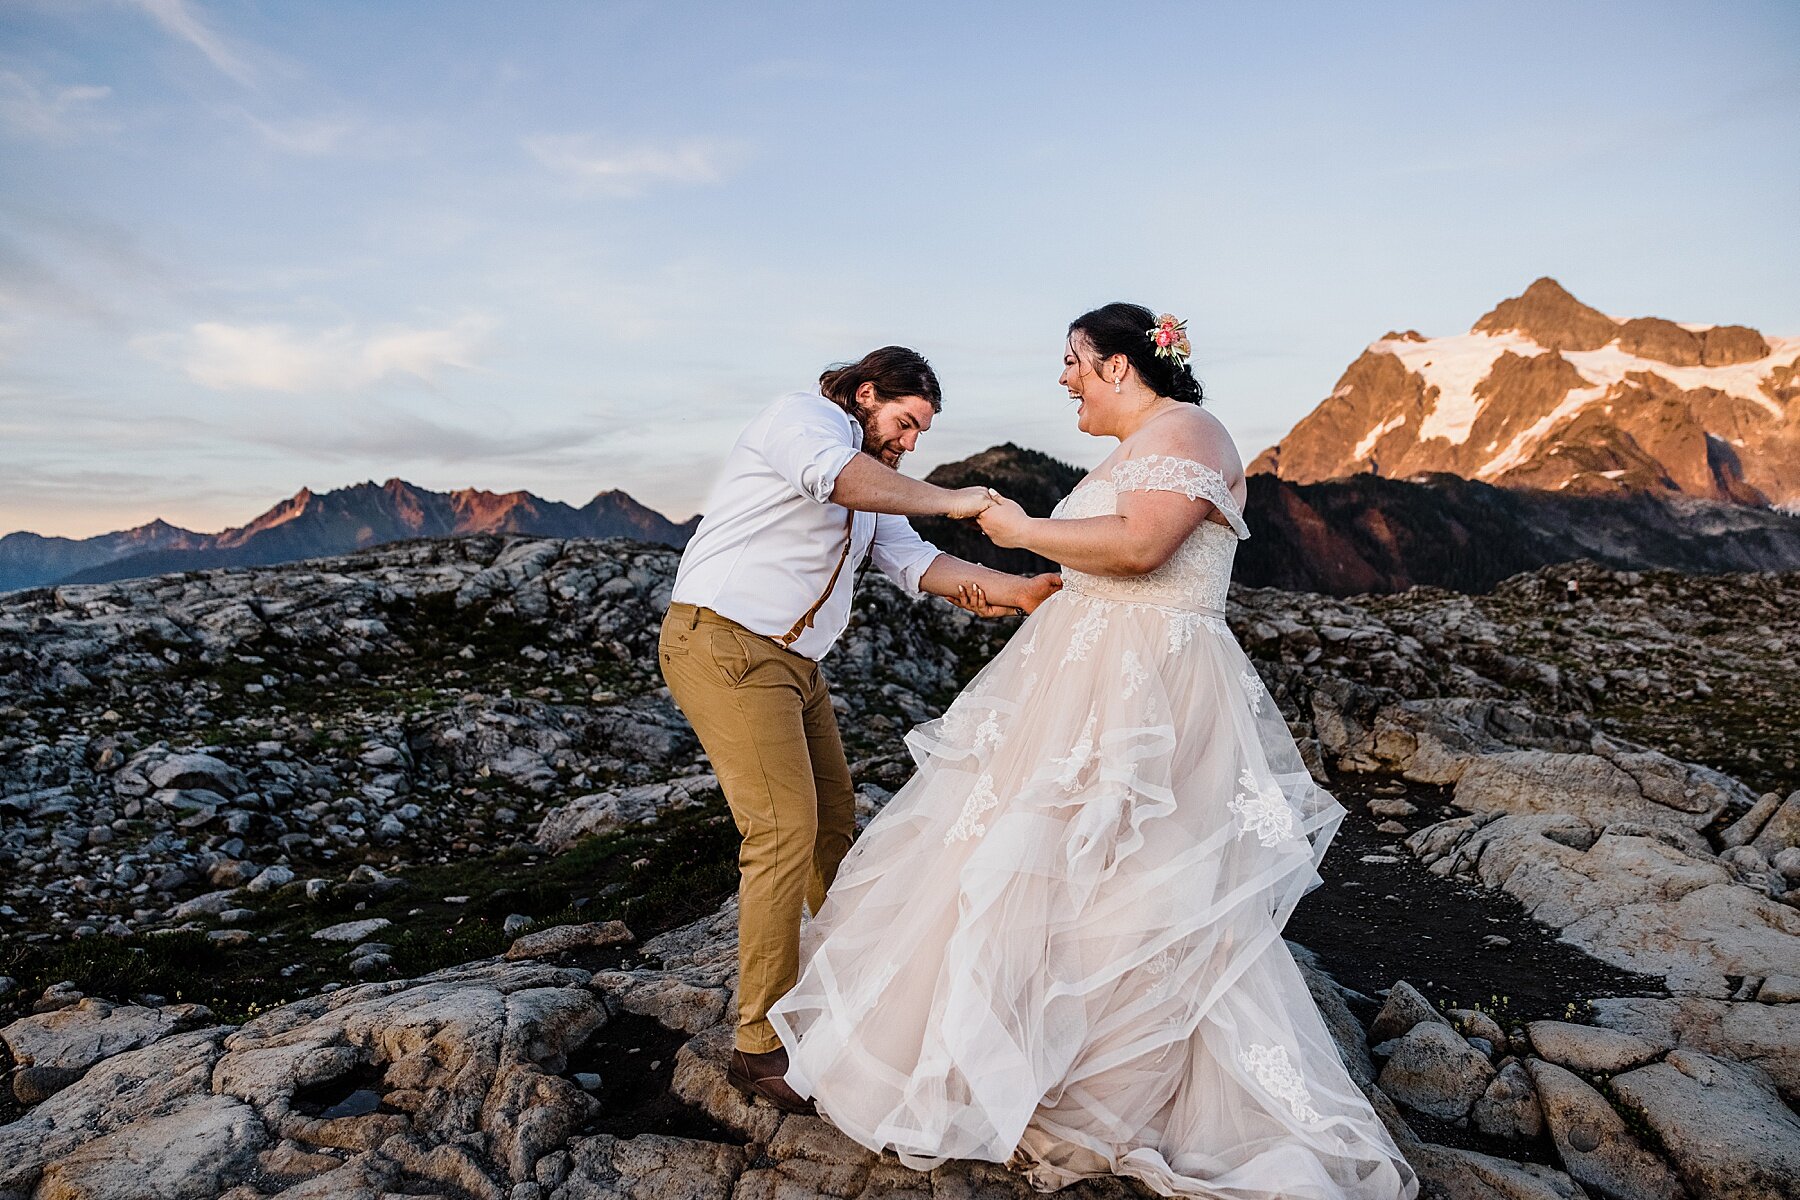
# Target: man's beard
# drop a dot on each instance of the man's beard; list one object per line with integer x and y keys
{"x": 888, "y": 454}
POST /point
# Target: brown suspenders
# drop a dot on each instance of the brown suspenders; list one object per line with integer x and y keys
{"x": 805, "y": 622}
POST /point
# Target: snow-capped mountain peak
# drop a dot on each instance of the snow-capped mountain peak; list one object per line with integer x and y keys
{"x": 1546, "y": 392}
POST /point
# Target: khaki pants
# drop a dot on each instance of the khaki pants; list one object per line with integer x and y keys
{"x": 764, "y": 716}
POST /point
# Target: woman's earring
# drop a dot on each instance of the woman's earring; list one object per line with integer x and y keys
{"x": 1118, "y": 385}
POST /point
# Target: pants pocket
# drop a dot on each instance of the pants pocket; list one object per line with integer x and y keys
{"x": 673, "y": 642}
{"x": 729, "y": 654}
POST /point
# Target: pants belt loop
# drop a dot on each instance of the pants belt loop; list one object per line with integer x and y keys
{"x": 693, "y": 621}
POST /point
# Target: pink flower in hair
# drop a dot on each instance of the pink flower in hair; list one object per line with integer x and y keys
{"x": 1170, "y": 338}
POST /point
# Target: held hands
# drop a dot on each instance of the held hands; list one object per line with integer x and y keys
{"x": 1004, "y": 522}
{"x": 968, "y": 502}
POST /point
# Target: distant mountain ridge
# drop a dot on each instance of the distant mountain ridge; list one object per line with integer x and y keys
{"x": 1546, "y": 392}
{"x": 310, "y": 524}
{"x": 1347, "y": 536}
{"x": 1369, "y": 534}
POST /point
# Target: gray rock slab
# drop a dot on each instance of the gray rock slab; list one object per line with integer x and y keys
{"x": 1434, "y": 1070}
{"x": 1764, "y": 1035}
{"x": 608, "y": 812}
{"x": 1632, "y": 899}
{"x": 111, "y": 1095}
{"x": 1405, "y": 1007}
{"x": 199, "y": 1149}
{"x": 1782, "y": 829}
{"x": 1593, "y": 1141}
{"x": 1723, "y": 1123}
{"x": 650, "y": 1167}
{"x": 1509, "y": 1108}
{"x": 1591, "y": 1049}
{"x": 352, "y": 931}
{"x": 90, "y": 1030}
{"x": 199, "y": 771}
{"x": 1451, "y": 1173}
{"x": 560, "y": 939}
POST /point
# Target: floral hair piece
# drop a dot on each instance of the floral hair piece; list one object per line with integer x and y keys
{"x": 1170, "y": 338}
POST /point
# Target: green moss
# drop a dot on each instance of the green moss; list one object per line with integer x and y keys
{"x": 652, "y": 878}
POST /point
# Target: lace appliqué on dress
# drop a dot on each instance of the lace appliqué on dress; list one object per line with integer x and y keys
{"x": 1163, "y": 968}
{"x": 1086, "y": 631}
{"x": 988, "y": 734}
{"x": 1078, "y": 758}
{"x": 1262, "y": 811}
{"x": 958, "y": 723}
{"x": 1254, "y": 685}
{"x": 1278, "y": 1077}
{"x": 1136, "y": 675}
{"x": 1184, "y": 624}
{"x": 969, "y": 825}
{"x": 1195, "y": 480}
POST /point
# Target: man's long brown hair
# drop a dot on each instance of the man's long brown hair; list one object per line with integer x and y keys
{"x": 894, "y": 370}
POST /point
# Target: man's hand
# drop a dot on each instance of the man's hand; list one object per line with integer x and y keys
{"x": 1004, "y": 522}
{"x": 1037, "y": 589}
{"x": 968, "y": 502}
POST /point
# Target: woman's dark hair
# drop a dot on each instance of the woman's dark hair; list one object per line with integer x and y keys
{"x": 894, "y": 370}
{"x": 1125, "y": 329}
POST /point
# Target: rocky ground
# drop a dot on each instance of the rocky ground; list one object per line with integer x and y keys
{"x": 398, "y": 874}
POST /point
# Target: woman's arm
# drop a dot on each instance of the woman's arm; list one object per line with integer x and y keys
{"x": 1148, "y": 529}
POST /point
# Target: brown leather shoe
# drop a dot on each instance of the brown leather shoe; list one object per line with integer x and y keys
{"x": 761, "y": 1075}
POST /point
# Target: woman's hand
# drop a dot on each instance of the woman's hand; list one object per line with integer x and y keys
{"x": 1004, "y": 522}
{"x": 971, "y": 598}
{"x": 1006, "y": 595}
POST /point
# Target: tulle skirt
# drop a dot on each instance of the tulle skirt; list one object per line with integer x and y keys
{"x": 1059, "y": 945}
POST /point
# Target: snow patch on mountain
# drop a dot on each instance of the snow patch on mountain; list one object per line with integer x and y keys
{"x": 1376, "y": 434}
{"x": 1518, "y": 449}
{"x": 1609, "y": 365}
{"x": 1455, "y": 366}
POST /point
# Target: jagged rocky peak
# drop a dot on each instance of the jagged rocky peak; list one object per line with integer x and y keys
{"x": 308, "y": 524}
{"x": 1547, "y": 392}
{"x": 1548, "y": 315}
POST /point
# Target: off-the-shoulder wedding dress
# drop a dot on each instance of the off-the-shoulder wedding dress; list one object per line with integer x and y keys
{"x": 1059, "y": 944}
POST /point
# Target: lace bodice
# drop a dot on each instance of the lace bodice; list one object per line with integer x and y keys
{"x": 1198, "y": 573}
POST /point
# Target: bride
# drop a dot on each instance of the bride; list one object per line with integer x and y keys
{"x": 1059, "y": 945}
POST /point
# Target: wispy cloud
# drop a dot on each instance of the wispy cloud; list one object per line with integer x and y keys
{"x": 61, "y": 259}
{"x": 180, "y": 20}
{"x": 55, "y": 114}
{"x": 405, "y": 440}
{"x": 278, "y": 358}
{"x": 301, "y": 136}
{"x": 626, "y": 170}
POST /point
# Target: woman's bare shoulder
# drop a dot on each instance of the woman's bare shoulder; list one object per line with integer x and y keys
{"x": 1190, "y": 432}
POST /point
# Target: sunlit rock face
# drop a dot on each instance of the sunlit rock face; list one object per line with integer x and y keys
{"x": 1546, "y": 392}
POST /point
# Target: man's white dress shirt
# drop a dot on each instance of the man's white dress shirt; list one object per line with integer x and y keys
{"x": 771, "y": 535}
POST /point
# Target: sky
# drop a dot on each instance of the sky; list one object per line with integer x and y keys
{"x": 248, "y": 247}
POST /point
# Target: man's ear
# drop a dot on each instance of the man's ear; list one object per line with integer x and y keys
{"x": 865, "y": 393}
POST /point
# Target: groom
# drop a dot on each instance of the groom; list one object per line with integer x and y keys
{"x": 762, "y": 593}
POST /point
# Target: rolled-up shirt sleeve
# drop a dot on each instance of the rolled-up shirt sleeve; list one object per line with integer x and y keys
{"x": 899, "y": 552}
{"x": 809, "y": 443}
